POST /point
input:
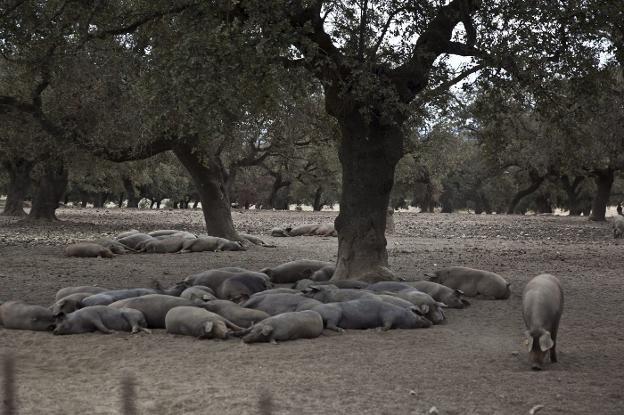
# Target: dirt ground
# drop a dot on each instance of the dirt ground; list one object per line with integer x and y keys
{"x": 475, "y": 364}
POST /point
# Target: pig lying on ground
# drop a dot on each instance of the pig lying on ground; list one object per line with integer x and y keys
{"x": 198, "y": 292}
{"x": 255, "y": 240}
{"x": 293, "y": 271}
{"x": 101, "y": 318}
{"x": 240, "y": 287}
{"x": 392, "y": 286}
{"x": 287, "y": 326}
{"x": 136, "y": 240}
{"x": 108, "y": 297}
{"x": 197, "y": 322}
{"x": 368, "y": 314}
{"x": 243, "y": 317}
{"x": 164, "y": 234}
{"x": 69, "y": 303}
{"x": 305, "y": 230}
{"x": 88, "y": 250}
{"x": 167, "y": 245}
{"x": 473, "y": 282}
{"x": 324, "y": 274}
{"x": 542, "y": 306}
{"x": 213, "y": 278}
{"x": 333, "y": 294}
{"x": 154, "y": 307}
{"x": 449, "y": 296}
{"x": 127, "y": 233}
{"x": 21, "y": 316}
{"x": 428, "y": 307}
{"x": 210, "y": 243}
{"x": 64, "y": 292}
{"x": 115, "y": 246}
{"x": 276, "y": 291}
{"x": 274, "y": 304}
{"x": 303, "y": 284}
{"x": 618, "y": 226}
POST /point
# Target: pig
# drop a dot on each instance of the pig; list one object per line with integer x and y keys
{"x": 618, "y": 226}
{"x": 136, "y": 240}
{"x": 287, "y": 326}
{"x": 163, "y": 246}
{"x": 366, "y": 313}
{"x": 473, "y": 282}
{"x": 280, "y": 232}
{"x": 154, "y": 307}
{"x": 428, "y": 307}
{"x": 399, "y": 302}
{"x": 333, "y": 294}
{"x": 255, "y": 240}
{"x": 18, "y": 315}
{"x": 293, "y": 271}
{"x": 210, "y": 243}
{"x": 88, "y": 250}
{"x": 69, "y": 303}
{"x": 542, "y": 306}
{"x": 241, "y": 286}
{"x": 115, "y": 247}
{"x": 197, "y": 322}
{"x": 243, "y": 317}
{"x": 64, "y": 292}
{"x": 274, "y": 304}
{"x": 127, "y": 233}
{"x": 303, "y": 284}
{"x": 276, "y": 291}
{"x": 324, "y": 274}
{"x": 108, "y": 297}
{"x": 213, "y": 278}
{"x": 198, "y": 292}
{"x": 101, "y": 318}
{"x": 309, "y": 230}
{"x": 449, "y": 296}
{"x": 392, "y": 286}
{"x": 166, "y": 233}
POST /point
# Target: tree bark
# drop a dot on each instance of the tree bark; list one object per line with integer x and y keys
{"x": 277, "y": 199}
{"x": 368, "y": 154}
{"x": 572, "y": 192}
{"x": 49, "y": 191}
{"x": 317, "y": 203}
{"x": 536, "y": 182}
{"x": 604, "y": 181}
{"x": 207, "y": 173}
{"x": 100, "y": 199}
{"x": 120, "y": 201}
{"x": 133, "y": 200}
{"x": 19, "y": 183}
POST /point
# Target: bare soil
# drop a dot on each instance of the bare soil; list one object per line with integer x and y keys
{"x": 474, "y": 364}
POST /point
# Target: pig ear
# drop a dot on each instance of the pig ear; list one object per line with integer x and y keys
{"x": 208, "y": 326}
{"x": 206, "y": 297}
{"x": 459, "y": 293}
{"x": 266, "y": 330}
{"x": 545, "y": 342}
{"x": 441, "y": 305}
{"x": 424, "y": 308}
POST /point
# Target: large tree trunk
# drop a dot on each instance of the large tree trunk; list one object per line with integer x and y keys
{"x": 368, "y": 155}
{"x": 536, "y": 182}
{"x": 49, "y": 191}
{"x": 604, "y": 180}
{"x": 100, "y": 199}
{"x": 133, "y": 199}
{"x": 278, "y": 197}
{"x": 317, "y": 203}
{"x": 208, "y": 175}
{"x": 19, "y": 183}
{"x": 572, "y": 191}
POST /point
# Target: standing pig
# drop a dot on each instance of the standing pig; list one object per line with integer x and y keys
{"x": 473, "y": 282}
{"x": 618, "y": 226}
{"x": 287, "y": 326}
{"x": 21, "y": 316}
{"x": 542, "y": 305}
{"x": 197, "y": 322}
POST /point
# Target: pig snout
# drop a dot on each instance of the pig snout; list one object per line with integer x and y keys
{"x": 536, "y": 359}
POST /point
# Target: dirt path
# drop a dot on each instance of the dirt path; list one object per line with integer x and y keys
{"x": 467, "y": 366}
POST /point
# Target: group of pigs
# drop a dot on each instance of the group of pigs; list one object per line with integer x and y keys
{"x": 159, "y": 241}
{"x": 290, "y": 301}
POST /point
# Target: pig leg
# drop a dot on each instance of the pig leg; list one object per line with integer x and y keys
{"x": 99, "y": 325}
{"x": 553, "y": 350}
